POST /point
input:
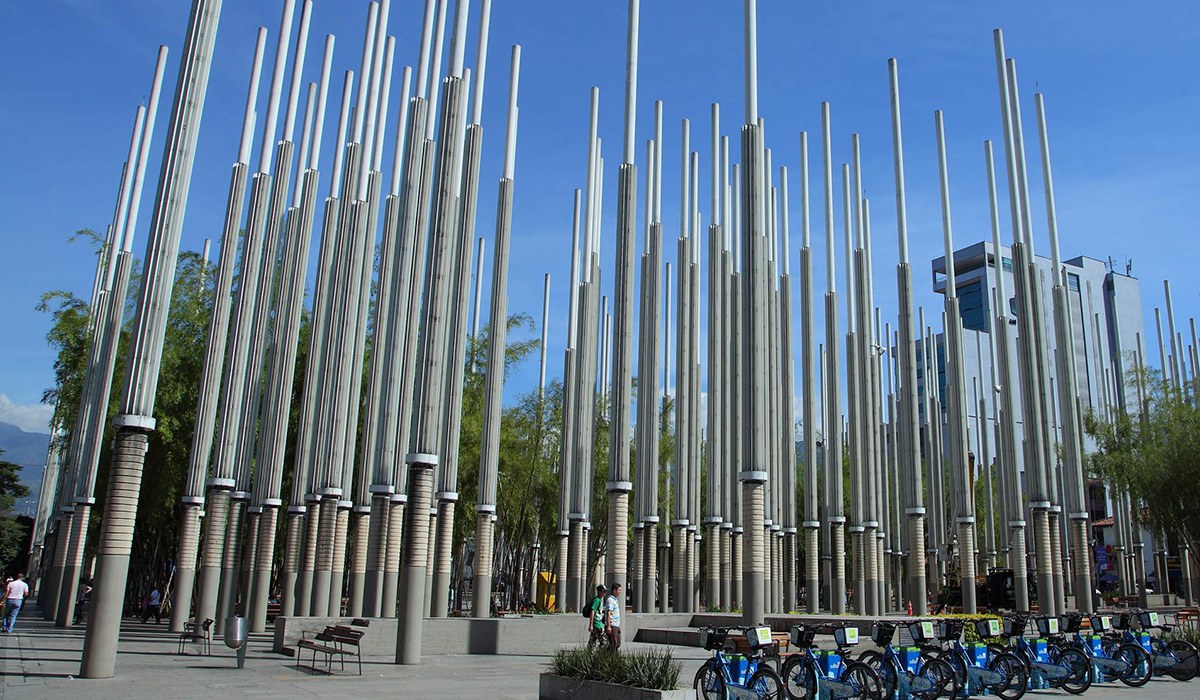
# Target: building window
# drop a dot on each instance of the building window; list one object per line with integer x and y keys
{"x": 1073, "y": 282}
{"x": 971, "y": 306}
{"x": 1006, "y": 263}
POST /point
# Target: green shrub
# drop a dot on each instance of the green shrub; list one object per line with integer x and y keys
{"x": 1187, "y": 634}
{"x": 652, "y": 669}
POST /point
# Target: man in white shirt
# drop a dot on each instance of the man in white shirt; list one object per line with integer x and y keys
{"x": 612, "y": 616}
{"x": 14, "y": 597}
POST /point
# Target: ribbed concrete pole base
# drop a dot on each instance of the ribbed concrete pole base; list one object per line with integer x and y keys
{"x": 391, "y": 567}
{"x": 241, "y": 598}
{"x": 291, "y": 563}
{"x": 870, "y": 563}
{"x": 440, "y": 591}
{"x": 618, "y": 541}
{"x": 481, "y": 601}
{"x": 966, "y": 566}
{"x": 216, "y": 521}
{"x": 358, "y": 563}
{"x": 726, "y": 536}
{"x": 1056, "y": 563}
{"x": 575, "y": 553}
{"x": 679, "y": 569}
{"x": 326, "y": 532}
{"x": 264, "y": 558}
{"x": 649, "y": 568}
{"x": 560, "y": 573}
{"x": 230, "y": 564}
{"x": 754, "y": 558}
{"x": 376, "y": 557}
{"x": 53, "y": 585}
{"x": 917, "y": 592}
{"x": 1083, "y": 567}
{"x": 429, "y": 561}
{"x": 837, "y": 579}
{"x": 185, "y": 574}
{"x": 664, "y": 576}
{"x": 882, "y": 592}
{"x": 789, "y": 572}
{"x": 112, "y": 554}
{"x": 636, "y": 566}
{"x": 1041, "y": 554}
{"x": 337, "y": 568}
{"x": 308, "y": 559}
{"x": 712, "y": 572}
{"x": 412, "y": 576}
{"x": 859, "y": 577}
{"x": 70, "y": 573}
{"x": 812, "y": 569}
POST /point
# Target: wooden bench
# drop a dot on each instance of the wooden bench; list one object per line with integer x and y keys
{"x": 334, "y": 640}
{"x": 201, "y": 634}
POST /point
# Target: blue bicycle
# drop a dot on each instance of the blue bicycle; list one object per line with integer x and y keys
{"x": 915, "y": 675}
{"x": 1113, "y": 658}
{"x": 979, "y": 669}
{"x": 1175, "y": 658}
{"x": 812, "y": 673}
{"x": 732, "y": 674}
{"x": 1061, "y": 665}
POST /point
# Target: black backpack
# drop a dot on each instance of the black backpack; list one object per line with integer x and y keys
{"x": 588, "y": 611}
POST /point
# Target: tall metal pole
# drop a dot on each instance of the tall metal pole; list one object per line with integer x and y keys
{"x": 135, "y": 420}
{"x": 834, "y": 497}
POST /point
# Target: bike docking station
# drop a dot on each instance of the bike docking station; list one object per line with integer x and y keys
{"x": 733, "y": 675}
{"x": 1113, "y": 657}
{"x": 813, "y": 673}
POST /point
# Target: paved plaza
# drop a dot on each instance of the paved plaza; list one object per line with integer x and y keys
{"x": 40, "y": 661}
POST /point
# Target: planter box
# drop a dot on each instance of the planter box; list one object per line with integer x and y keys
{"x": 552, "y": 687}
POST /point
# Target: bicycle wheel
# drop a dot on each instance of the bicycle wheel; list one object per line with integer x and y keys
{"x": 1140, "y": 666}
{"x": 1185, "y": 669}
{"x": 1079, "y": 670}
{"x": 942, "y": 676}
{"x": 709, "y": 683}
{"x": 766, "y": 685}
{"x": 1016, "y": 676}
{"x": 864, "y": 679}
{"x": 799, "y": 680}
{"x": 885, "y": 671}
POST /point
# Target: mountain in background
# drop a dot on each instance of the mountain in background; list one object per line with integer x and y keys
{"x": 29, "y": 451}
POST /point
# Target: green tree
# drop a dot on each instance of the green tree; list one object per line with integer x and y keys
{"x": 1154, "y": 455}
{"x": 14, "y": 533}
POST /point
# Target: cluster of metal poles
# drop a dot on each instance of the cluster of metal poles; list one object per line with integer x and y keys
{"x": 376, "y": 462}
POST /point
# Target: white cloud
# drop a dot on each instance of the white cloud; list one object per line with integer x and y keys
{"x": 30, "y": 417}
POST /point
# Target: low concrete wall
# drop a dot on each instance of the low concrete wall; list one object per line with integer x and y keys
{"x": 529, "y": 634}
{"x": 552, "y": 687}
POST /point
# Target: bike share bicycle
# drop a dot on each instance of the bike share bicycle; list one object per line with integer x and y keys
{"x": 1113, "y": 658}
{"x": 1048, "y": 658}
{"x": 1175, "y": 658}
{"x": 906, "y": 672}
{"x": 977, "y": 668}
{"x": 730, "y": 674}
{"x": 816, "y": 674}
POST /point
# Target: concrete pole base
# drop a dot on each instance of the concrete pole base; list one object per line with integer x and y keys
{"x": 917, "y": 592}
{"x": 337, "y": 569}
{"x": 215, "y": 524}
{"x": 308, "y": 559}
{"x": 481, "y": 600}
{"x": 966, "y": 564}
{"x": 754, "y": 560}
{"x": 112, "y": 555}
{"x": 812, "y": 569}
{"x": 263, "y": 564}
{"x": 376, "y": 557}
{"x": 291, "y": 564}
{"x": 560, "y": 574}
{"x": 1083, "y": 567}
{"x": 412, "y": 576}
{"x": 391, "y": 567}
{"x": 358, "y": 564}
{"x": 650, "y": 572}
{"x": 323, "y": 571}
{"x": 837, "y": 579}
{"x": 70, "y": 574}
{"x": 443, "y": 550}
{"x": 185, "y": 575}
{"x": 618, "y": 541}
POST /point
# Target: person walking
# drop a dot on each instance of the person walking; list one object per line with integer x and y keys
{"x": 153, "y": 606}
{"x": 14, "y": 598}
{"x": 612, "y": 617}
{"x": 596, "y": 614}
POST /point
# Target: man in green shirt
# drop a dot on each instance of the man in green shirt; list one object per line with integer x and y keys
{"x": 596, "y": 634}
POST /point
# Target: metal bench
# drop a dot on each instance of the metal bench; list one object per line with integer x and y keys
{"x": 335, "y": 640}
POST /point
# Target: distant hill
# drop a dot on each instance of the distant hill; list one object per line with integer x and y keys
{"x": 29, "y": 451}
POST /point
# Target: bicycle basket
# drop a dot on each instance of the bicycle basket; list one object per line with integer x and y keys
{"x": 758, "y": 637}
{"x": 922, "y": 631}
{"x": 882, "y": 633}
{"x": 1046, "y": 625}
{"x": 713, "y": 638}
{"x": 845, "y": 636}
{"x": 1014, "y": 626}
{"x": 987, "y": 627}
{"x": 1071, "y": 623}
{"x": 1148, "y": 619}
{"x": 1101, "y": 623}
{"x": 949, "y": 629}
{"x": 801, "y": 637}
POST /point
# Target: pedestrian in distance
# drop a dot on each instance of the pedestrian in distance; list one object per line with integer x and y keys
{"x": 612, "y": 617}
{"x": 596, "y": 615}
{"x": 153, "y": 606}
{"x": 14, "y": 597}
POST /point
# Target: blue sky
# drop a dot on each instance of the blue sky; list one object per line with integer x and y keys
{"x": 1119, "y": 79}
